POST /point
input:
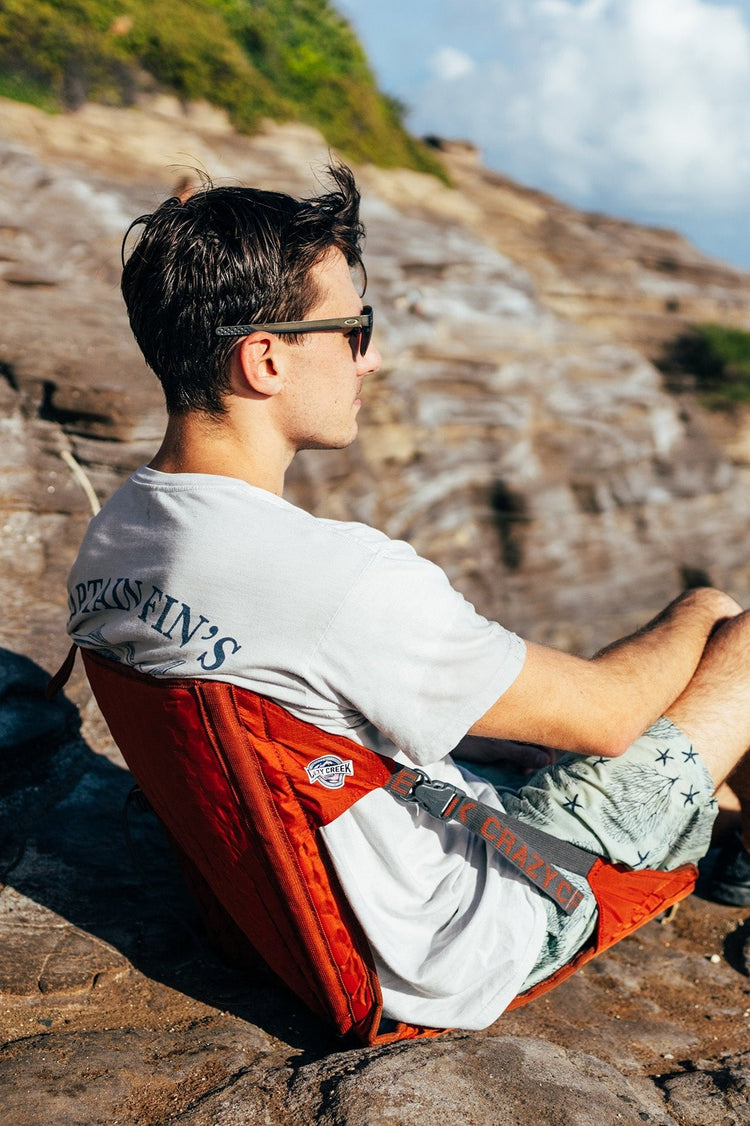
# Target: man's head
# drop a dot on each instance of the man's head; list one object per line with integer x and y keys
{"x": 229, "y": 256}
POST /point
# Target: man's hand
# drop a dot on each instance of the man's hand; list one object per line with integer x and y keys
{"x": 600, "y": 706}
{"x": 524, "y": 756}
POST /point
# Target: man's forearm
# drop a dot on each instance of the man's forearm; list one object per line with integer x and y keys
{"x": 647, "y": 671}
{"x": 600, "y": 706}
{"x": 664, "y": 653}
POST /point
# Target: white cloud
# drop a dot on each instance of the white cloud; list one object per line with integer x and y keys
{"x": 448, "y": 64}
{"x": 641, "y": 102}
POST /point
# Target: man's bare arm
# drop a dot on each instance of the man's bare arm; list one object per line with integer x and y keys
{"x": 600, "y": 706}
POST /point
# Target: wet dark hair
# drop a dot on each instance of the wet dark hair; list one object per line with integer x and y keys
{"x": 228, "y": 256}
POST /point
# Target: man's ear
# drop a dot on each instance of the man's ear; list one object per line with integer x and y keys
{"x": 255, "y": 366}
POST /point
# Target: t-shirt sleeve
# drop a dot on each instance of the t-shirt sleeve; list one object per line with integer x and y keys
{"x": 408, "y": 652}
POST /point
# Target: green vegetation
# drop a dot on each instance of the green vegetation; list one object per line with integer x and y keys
{"x": 285, "y": 59}
{"x": 715, "y": 359}
{"x": 23, "y": 88}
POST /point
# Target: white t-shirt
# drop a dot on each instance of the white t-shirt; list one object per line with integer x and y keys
{"x": 205, "y": 576}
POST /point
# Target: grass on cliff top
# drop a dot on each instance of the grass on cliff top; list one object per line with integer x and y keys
{"x": 284, "y": 59}
{"x": 715, "y": 360}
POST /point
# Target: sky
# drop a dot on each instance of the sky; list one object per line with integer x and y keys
{"x": 638, "y": 108}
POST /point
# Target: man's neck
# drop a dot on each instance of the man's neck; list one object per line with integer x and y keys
{"x": 196, "y": 443}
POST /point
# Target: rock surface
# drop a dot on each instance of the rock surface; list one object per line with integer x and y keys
{"x": 520, "y": 436}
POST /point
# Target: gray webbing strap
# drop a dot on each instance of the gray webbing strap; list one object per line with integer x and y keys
{"x": 534, "y": 853}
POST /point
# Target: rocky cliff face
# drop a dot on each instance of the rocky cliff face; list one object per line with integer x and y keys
{"x": 518, "y": 434}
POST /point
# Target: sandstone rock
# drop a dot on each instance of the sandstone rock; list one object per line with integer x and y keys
{"x": 115, "y": 1077}
{"x": 496, "y": 1079}
{"x": 711, "y": 1095}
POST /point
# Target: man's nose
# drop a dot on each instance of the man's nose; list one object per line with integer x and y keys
{"x": 371, "y": 361}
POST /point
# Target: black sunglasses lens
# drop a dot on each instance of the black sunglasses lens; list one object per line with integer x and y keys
{"x": 365, "y": 333}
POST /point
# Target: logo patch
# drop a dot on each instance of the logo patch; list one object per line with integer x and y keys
{"x": 330, "y": 770}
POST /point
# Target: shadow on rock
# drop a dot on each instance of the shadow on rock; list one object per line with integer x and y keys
{"x": 73, "y": 844}
{"x": 737, "y": 948}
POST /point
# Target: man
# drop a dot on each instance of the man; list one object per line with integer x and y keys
{"x": 197, "y": 567}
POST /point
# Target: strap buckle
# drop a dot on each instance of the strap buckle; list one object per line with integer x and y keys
{"x": 438, "y": 798}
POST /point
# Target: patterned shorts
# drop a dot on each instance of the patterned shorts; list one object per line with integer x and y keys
{"x": 652, "y": 807}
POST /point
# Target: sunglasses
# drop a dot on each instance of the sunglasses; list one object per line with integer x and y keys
{"x": 359, "y": 327}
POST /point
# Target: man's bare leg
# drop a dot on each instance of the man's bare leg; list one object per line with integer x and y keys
{"x": 714, "y": 709}
{"x": 714, "y": 712}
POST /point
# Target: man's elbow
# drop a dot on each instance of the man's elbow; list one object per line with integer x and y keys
{"x": 611, "y": 748}
{"x": 607, "y": 742}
